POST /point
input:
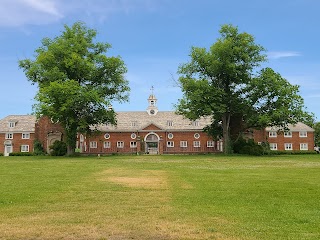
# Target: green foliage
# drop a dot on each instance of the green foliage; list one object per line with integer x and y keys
{"x": 58, "y": 148}
{"x": 1, "y": 154}
{"x": 38, "y": 148}
{"x": 23, "y": 154}
{"x": 316, "y": 128}
{"x": 77, "y": 81}
{"x": 249, "y": 147}
{"x": 224, "y": 82}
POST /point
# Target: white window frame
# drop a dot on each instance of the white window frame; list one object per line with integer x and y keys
{"x": 120, "y": 144}
{"x": 12, "y": 124}
{"x": 25, "y": 136}
{"x": 304, "y": 147}
{"x": 210, "y": 144}
{"x": 196, "y": 135}
{"x": 183, "y": 144}
{"x": 273, "y": 146}
{"x": 169, "y": 123}
{"x": 170, "y": 144}
{"x": 303, "y": 134}
{"x": 24, "y": 148}
{"x": 107, "y": 136}
{"x": 133, "y": 136}
{"x": 133, "y": 144}
{"x": 170, "y": 135}
{"x": 196, "y": 144}
{"x": 288, "y": 146}
{"x": 272, "y": 134}
{"x": 195, "y": 123}
{"x": 106, "y": 144}
{"x": 287, "y": 134}
{"x": 9, "y": 135}
{"x": 134, "y": 123}
{"x": 93, "y": 144}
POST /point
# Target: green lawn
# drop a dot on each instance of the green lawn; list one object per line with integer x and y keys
{"x": 160, "y": 197}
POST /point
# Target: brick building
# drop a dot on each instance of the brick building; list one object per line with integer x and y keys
{"x": 17, "y": 133}
{"x": 299, "y": 137}
{"x": 150, "y": 131}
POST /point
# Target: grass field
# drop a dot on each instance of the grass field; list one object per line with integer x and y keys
{"x": 160, "y": 197}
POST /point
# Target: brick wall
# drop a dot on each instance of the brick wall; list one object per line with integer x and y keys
{"x": 17, "y": 141}
{"x": 43, "y": 127}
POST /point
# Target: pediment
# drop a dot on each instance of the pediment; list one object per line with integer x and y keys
{"x": 151, "y": 126}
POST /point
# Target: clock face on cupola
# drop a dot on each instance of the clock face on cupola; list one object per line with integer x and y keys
{"x": 152, "y": 100}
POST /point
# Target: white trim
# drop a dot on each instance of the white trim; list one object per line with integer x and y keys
{"x": 196, "y": 144}
{"x": 24, "y": 148}
{"x": 170, "y": 143}
{"x": 303, "y": 134}
{"x": 273, "y": 146}
{"x": 93, "y": 144}
{"x": 183, "y": 144}
{"x": 304, "y": 146}
{"x": 120, "y": 144}
{"x": 288, "y": 146}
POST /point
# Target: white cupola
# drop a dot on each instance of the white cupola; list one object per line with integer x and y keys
{"x": 152, "y": 100}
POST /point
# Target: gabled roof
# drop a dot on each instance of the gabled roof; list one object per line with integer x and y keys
{"x": 23, "y": 123}
{"x": 138, "y": 120}
{"x": 293, "y": 128}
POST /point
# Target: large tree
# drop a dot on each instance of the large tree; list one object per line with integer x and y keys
{"x": 225, "y": 82}
{"x": 77, "y": 81}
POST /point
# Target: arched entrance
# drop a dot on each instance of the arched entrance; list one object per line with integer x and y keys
{"x": 152, "y": 143}
{"x": 7, "y": 148}
{"x": 51, "y": 138}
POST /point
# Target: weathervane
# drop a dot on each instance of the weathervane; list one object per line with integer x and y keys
{"x": 152, "y": 88}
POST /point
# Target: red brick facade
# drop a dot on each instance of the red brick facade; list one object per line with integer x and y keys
{"x": 291, "y": 141}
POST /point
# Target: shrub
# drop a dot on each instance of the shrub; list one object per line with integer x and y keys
{"x": 21, "y": 154}
{"x": 58, "y": 148}
{"x": 38, "y": 148}
{"x": 1, "y": 154}
{"x": 248, "y": 147}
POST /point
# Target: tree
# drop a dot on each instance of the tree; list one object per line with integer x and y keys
{"x": 225, "y": 82}
{"x": 316, "y": 127}
{"x": 77, "y": 81}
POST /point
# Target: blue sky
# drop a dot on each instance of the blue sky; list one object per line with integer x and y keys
{"x": 154, "y": 36}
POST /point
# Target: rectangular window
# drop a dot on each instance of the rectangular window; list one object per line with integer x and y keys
{"x": 210, "y": 144}
{"x": 183, "y": 144}
{"x": 288, "y": 146}
{"x": 134, "y": 123}
{"x": 93, "y": 144}
{"x": 170, "y": 144}
{"x": 287, "y": 134}
{"x": 133, "y": 144}
{"x": 303, "y": 146}
{"x": 196, "y": 144}
{"x": 169, "y": 123}
{"x": 106, "y": 144}
{"x": 24, "y": 148}
{"x": 195, "y": 123}
{"x": 273, "y": 134}
{"x": 9, "y": 135}
{"x": 303, "y": 134}
{"x": 273, "y": 146}
{"x": 12, "y": 124}
{"x": 25, "y": 135}
{"x": 120, "y": 144}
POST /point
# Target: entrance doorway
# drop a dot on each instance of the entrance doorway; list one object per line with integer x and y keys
{"x": 7, "y": 150}
{"x": 152, "y": 143}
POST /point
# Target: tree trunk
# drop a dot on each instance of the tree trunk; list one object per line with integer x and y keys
{"x": 70, "y": 150}
{"x": 227, "y": 148}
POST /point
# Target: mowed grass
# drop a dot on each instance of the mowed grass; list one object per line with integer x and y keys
{"x": 160, "y": 197}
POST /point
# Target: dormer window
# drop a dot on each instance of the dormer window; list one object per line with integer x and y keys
{"x": 12, "y": 124}
{"x": 195, "y": 123}
{"x": 169, "y": 123}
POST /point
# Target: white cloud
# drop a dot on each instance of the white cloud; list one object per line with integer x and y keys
{"x": 282, "y": 54}
{"x": 17, "y": 13}
{"x": 21, "y": 12}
